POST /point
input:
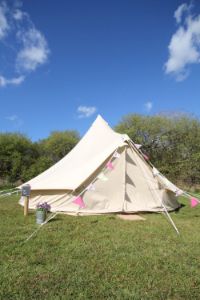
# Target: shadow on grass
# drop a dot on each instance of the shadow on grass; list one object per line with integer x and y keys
{"x": 54, "y": 220}
{"x": 179, "y": 208}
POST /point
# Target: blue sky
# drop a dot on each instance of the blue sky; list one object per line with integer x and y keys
{"x": 63, "y": 62}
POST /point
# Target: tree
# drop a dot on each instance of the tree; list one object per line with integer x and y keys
{"x": 173, "y": 143}
{"x": 16, "y": 153}
{"x": 58, "y": 144}
{"x": 21, "y": 159}
{"x": 51, "y": 150}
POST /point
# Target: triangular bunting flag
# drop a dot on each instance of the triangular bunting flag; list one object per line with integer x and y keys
{"x": 102, "y": 177}
{"x": 194, "y": 202}
{"x": 79, "y": 201}
{"x": 179, "y": 193}
{"x": 124, "y": 137}
{"x": 116, "y": 154}
{"x": 138, "y": 146}
{"x": 155, "y": 172}
{"x": 109, "y": 165}
{"x": 90, "y": 187}
{"x": 145, "y": 156}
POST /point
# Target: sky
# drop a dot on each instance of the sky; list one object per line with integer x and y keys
{"x": 64, "y": 62}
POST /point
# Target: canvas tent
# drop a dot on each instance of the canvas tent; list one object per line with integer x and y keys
{"x": 104, "y": 173}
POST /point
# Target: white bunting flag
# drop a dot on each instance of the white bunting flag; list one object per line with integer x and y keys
{"x": 138, "y": 146}
{"x": 90, "y": 187}
{"x": 179, "y": 193}
{"x": 155, "y": 172}
{"x": 116, "y": 154}
{"x": 102, "y": 177}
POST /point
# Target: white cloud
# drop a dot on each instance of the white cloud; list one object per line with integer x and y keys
{"x": 3, "y": 22}
{"x": 180, "y": 11}
{"x": 184, "y": 47}
{"x": 148, "y": 106}
{"x": 15, "y": 120}
{"x": 86, "y": 111}
{"x": 29, "y": 46}
{"x": 13, "y": 81}
{"x": 18, "y": 15}
{"x": 34, "y": 52}
{"x": 12, "y": 118}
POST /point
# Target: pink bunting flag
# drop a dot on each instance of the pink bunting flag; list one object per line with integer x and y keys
{"x": 145, "y": 156}
{"x": 79, "y": 201}
{"x": 109, "y": 165}
{"x": 194, "y": 202}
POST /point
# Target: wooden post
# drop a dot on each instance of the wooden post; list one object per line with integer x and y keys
{"x": 26, "y": 203}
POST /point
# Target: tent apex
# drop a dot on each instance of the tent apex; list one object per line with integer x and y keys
{"x": 100, "y": 118}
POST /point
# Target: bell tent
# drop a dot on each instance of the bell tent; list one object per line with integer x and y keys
{"x": 104, "y": 173}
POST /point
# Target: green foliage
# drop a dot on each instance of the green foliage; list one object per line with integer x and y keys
{"x": 173, "y": 143}
{"x": 99, "y": 257}
{"x": 58, "y": 144}
{"x": 21, "y": 159}
{"x": 17, "y": 152}
{"x": 40, "y": 165}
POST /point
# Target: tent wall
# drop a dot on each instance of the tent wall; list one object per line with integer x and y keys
{"x": 53, "y": 197}
{"x": 143, "y": 192}
{"x": 108, "y": 196}
{"x": 130, "y": 187}
{"x": 71, "y": 171}
{"x": 140, "y": 185}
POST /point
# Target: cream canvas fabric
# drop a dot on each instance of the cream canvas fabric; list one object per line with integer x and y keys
{"x": 129, "y": 186}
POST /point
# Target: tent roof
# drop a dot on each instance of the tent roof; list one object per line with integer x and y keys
{"x": 92, "y": 150}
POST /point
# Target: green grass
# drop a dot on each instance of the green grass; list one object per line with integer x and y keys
{"x": 99, "y": 257}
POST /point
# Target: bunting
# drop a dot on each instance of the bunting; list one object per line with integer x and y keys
{"x": 116, "y": 155}
{"x": 90, "y": 187}
{"x": 79, "y": 201}
{"x": 194, "y": 202}
{"x": 109, "y": 165}
{"x": 146, "y": 157}
{"x": 138, "y": 146}
{"x": 155, "y": 172}
{"x": 179, "y": 193}
{"x": 102, "y": 177}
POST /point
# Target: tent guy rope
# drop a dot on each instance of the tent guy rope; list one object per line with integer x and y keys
{"x": 9, "y": 194}
{"x": 156, "y": 194}
{"x": 52, "y": 216}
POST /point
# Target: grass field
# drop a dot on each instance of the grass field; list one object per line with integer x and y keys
{"x": 99, "y": 257}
